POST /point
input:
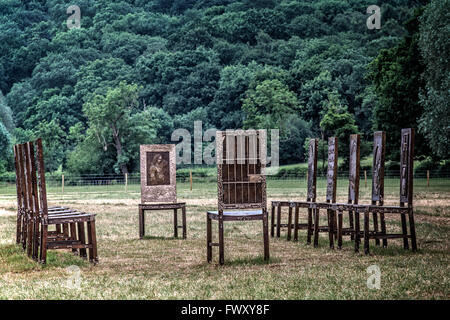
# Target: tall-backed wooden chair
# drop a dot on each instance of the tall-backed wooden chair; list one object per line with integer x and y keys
{"x": 159, "y": 185}
{"x": 241, "y": 183}
{"x": 27, "y": 202}
{"x": 353, "y": 194}
{"x": 331, "y": 228}
{"x": 405, "y": 209}
{"x": 311, "y": 194}
{"x": 294, "y": 205}
{"x": 66, "y": 219}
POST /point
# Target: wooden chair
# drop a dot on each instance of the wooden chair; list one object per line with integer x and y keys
{"x": 353, "y": 195}
{"x": 158, "y": 185}
{"x": 34, "y": 216}
{"x": 68, "y": 219}
{"x": 241, "y": 182}
{"x": 311, "y": 194}
{"x": 331, "y": 227}
{"x": 406, "y": 196}
{"x": 24, "y": 176}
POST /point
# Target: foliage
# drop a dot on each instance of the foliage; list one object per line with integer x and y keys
{"x": 227, "y": 63}
{"x": 435, "y": 48}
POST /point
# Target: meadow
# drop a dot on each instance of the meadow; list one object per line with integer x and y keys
{"x": 162, "y": 267}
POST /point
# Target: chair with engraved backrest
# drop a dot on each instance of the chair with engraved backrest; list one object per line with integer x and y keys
{"x": 159, "y": 185}
{"x": 241, "y": 183}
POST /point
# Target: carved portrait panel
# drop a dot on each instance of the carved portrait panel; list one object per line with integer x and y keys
{"x": 158, "y": 173}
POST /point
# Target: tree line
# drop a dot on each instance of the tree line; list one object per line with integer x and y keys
{"x": 137, "y": 70}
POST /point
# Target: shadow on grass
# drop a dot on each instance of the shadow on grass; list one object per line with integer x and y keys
{"x": 161, "y": 238}
{"x": 251, "y": 261}
{"x": 14, "y": 259}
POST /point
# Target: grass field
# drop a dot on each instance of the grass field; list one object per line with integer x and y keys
{"x": 161, "y": 267}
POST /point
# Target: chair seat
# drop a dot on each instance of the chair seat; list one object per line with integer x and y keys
{"x": 237, "y": 213}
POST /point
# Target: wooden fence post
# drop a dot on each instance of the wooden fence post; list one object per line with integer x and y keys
{"x": 126, "y": 182}
{"x": 428, "y": 178}
{"x": 62, "y": 183}
{"x": 190, "y": 178}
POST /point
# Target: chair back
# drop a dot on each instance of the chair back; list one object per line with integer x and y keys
{"x": 241, "y": 164}
{"x": 332, "y": 169}
{"x": 379, "y": 152}
{"x": 312, "y": 170}
{"x": 407, "y": 167}
{"x": 354, "y": 167}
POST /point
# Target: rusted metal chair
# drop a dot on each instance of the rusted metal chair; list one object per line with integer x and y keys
{"x": 241, "y": 182}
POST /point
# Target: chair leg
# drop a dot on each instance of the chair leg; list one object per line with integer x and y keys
{"x": 357, "y": 231}
{"x": 65, "y": 230}
{"x": 296, "y": 217}
{"x": 310, "y": 226}
{"x": 141, "y": 223}
{"x": 289, "y": 233}
{"x": 73, "y": 236}
{"x": 208, "y": 239}
{"x": 35, "y": 240}
{"x": 278, "y": 221}
{"x": 82, "y": 238}
{"x": 331, "y": 224}
{"x": 412, "y": 230}
{"x": 352, "y": 226}
{"x": 339, "y": 231}
{"x": 175, "y": 223}
{"x": 272, "y": 222}
{"x": 383, "y": 229}
{"x": 30, "y": 237}
{"x": 19, "y": 226}
{"x": 375, "y": 227}
{"x": 316, "y": 227}
{"x": 405, "y": 232}
{"x": 221, "y": 243}
{"x": 183, "y": 213}
{"x": 266, "y": 236}
{"x": 43, "y": 248}
{"x": 24, "y": 231}
{"x": 92, "y": 239}
{"x": 366, "y": 233}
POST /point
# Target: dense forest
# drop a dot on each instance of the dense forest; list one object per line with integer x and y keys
{"x": 137, "y": 70}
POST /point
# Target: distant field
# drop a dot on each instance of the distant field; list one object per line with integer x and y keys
{"x": 160, "y": 267}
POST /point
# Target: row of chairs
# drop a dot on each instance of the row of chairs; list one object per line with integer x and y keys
{"x": 335, "y": 211}
{"x": 34, "y": 217}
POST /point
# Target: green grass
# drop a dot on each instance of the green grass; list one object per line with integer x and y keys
{"x": 162, "y": 267}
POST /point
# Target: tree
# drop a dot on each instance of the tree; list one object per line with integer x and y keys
{"x": 396, "y": 74}
{"x": 6, "y": 147}
{"x": 435, "y": 48}
{"x": 115, "y": 121}
{"x": 108, "y": 117}
{"x": 268, "y": 104}
{"x": 337, "y": 121}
